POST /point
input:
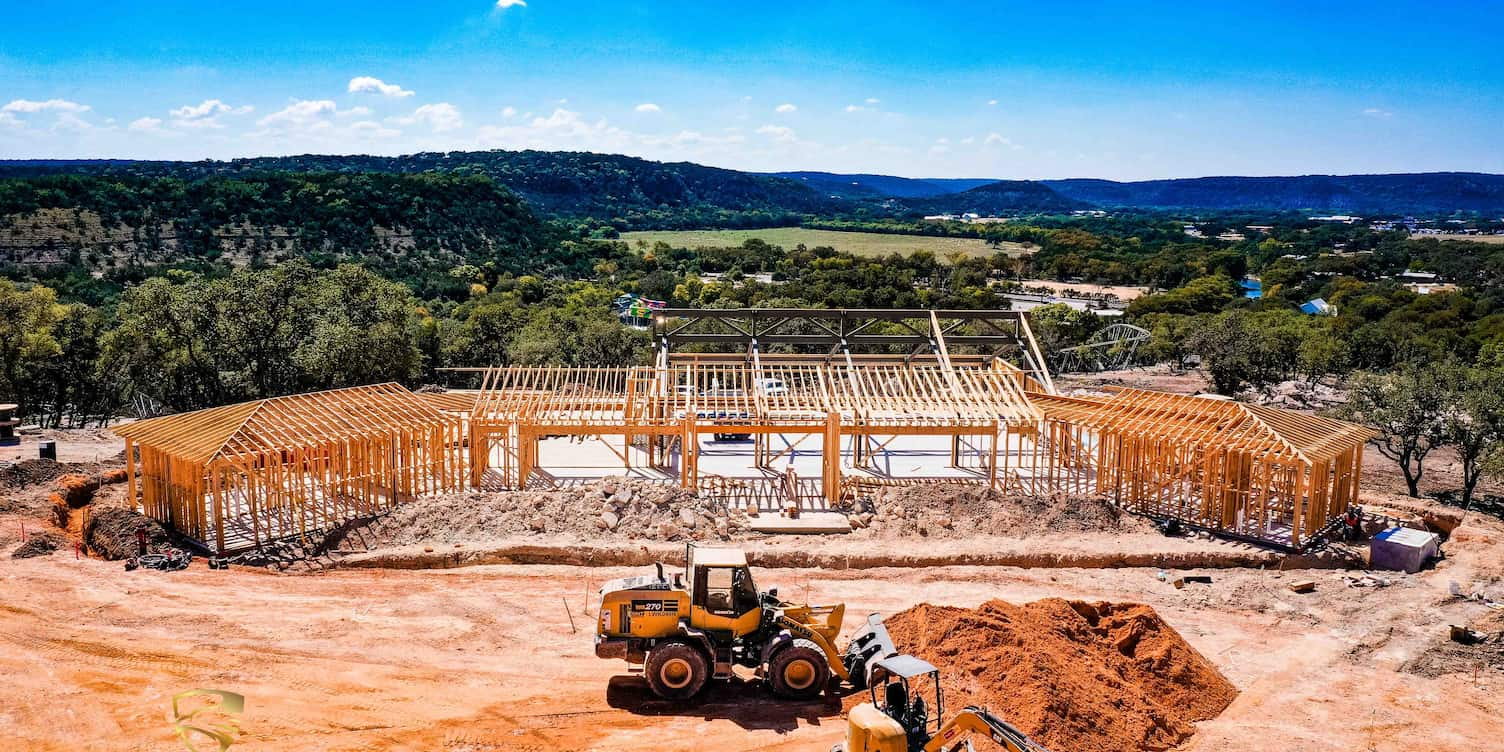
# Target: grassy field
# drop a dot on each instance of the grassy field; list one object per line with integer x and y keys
{"x": 857, "y": 243}
{"x": 1473, "y": 238}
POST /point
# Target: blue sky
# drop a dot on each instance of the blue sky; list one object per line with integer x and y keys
{"x": 1128, "y": 90}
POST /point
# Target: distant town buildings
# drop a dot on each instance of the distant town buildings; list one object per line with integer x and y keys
{"x": 970, "y": 218}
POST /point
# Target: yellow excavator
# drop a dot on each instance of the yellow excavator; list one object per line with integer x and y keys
{"x": 898, "y": 719}
{"x": 698, "y": 625}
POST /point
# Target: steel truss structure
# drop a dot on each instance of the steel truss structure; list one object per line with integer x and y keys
{"x": 909, "y": 333}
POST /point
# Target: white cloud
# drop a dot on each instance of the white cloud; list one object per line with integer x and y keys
{"x": 509, "y": 112}
{"x": 439, "y": 117}
{"x": 780, "y": 133}
{"x": 873, "y": 100}
{"x": 375, "y": 85}
{"x": 1375, "y": 112}
{"x": 992, "y": 102}
{"x": 564, "y": 129}
{"x": 302, "y": 114}
{"x": 855, "y": 108}
{"x": 70, "y": 121}
{"x": 785, "y": 108}
{"x": 51, "y": 105}
{"x": 10, "y": 120}
{"x": 355, "y": 112}
{"x": 205, "y": 114}
{"x": 146, "y": 125}
{"x": 648, "y": 107}
{"x": 998, "y": 139}
{"x": 504, "y": 4}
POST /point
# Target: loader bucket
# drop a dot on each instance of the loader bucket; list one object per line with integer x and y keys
{"x": 868, "y": 646}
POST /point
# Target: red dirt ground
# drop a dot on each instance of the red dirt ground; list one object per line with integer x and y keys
{"x": 1075, "y": 676}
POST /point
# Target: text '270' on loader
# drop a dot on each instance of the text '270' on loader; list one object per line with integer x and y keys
{"x": 898, "y": 719}
{"x": 699, "y": 625}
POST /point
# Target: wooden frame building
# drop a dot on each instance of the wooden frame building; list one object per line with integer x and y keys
{"x": 240, "y": 476}
{"x": 674, "y": 406}
{"x": 236, "y": 477}
{"x": 1261, "y": 473}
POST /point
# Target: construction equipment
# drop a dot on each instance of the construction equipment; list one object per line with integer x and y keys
{"x": 700, "y": 624}
{"x": 893, "y": 722}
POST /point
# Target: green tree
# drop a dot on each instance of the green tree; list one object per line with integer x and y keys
{"x": 1473, "y": 419}
{"x": 1405, "y": 406}
{"x": 28, "y": 339}
{"x": 1057, "y": 326}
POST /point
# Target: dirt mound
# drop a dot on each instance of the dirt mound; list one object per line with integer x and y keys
{"x": 30, "y": 473}
{"x": 111, "y": 533}
{"x": 39, "y": 544}
{"x": 614, "y": 508}
{"x": 966, "y": 510}
{"x": 1075, "y": 676}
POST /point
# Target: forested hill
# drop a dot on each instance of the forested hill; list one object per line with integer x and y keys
{"x": 633, "y": 192}
{"x": 999, "y": 198}
{"x": 1415, "y": 193}
{"x": 415, "y": 227}
{"x": 880, "y": 186}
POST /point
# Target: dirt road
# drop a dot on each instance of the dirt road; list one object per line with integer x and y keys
{"x": 483, "y": 658}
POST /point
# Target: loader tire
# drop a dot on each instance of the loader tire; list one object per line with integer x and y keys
{"x": 799, "y": 671}
{"x": 676, "y": 670}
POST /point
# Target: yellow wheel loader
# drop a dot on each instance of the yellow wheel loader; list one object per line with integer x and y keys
{"x": 698, "y": 625}
{"x": 898, "y": 719}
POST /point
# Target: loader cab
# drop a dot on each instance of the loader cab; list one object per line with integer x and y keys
{"x": 721, "y": 590}
{"x": 900, "y": 685}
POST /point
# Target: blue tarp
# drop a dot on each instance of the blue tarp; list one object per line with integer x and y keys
{"x": 1316, "y": 307}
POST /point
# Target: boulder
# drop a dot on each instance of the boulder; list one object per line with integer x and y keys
{"x": 610, "y": 520}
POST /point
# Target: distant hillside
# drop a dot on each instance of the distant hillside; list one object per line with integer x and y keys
{"x": 417, "y": 226}
{"x": 1428, "y": 193}
{"x": 999, "y": 198}
{"x": 874, "y": 186}
{"x": 635, "y": 193}
{"x": 638, "y": 192}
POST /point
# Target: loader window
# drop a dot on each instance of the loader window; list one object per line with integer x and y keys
{"x": 719, "y": 584}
